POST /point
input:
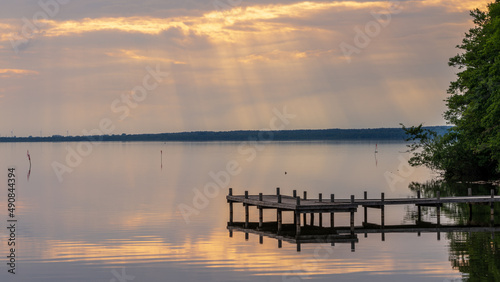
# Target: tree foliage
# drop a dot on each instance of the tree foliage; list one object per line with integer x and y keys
{"x": 471, "y": 149}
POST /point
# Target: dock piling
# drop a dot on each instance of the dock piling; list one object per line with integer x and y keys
{"x": 230, "y": 207}
{"x": 419, "y": 209}
{"x": 261, "y": 212}
{"x": 352, "y": 216}
{"x": 320, "y": 196}
{"x": 492, "y": 208}
{"x": 332, "y": 214}
{"x": 246, "y": 212}
{"x": 382, "y": 210}
{"x": 365, "y": 208}
{"x": 297, "y": 219}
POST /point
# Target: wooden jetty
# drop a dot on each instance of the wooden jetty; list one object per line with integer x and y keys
{"x": 320, "y": 206}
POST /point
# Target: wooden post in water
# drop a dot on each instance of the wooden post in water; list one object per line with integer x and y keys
{"x": 261, "y": 239}
{"x": 469, "y": 192}
{"x": 246, "y": 212}
{"x": 419, "y": 208}
{"x": 280, "y": 218}
{"x": 295, "y": 213}
{"x": 298, "y": 247}
{"x": 230, "y": 207}
{"x": 304, "y": 215}
{"x": 352, "y": 216}
{"x": 438, "y": 208}
{"x": 297, "y": 218}
{"x": 277, "y": 194}
{"x": 382, "y": 210}
{"x": 332, "y": 215}
{"x": 312, "y": 219}
{"x": 246, "y": 236}
{"x": 261, "y": 213}
{"x": 438, "y": 224}
{"x": 382, "y": 215}
{"x": 365, "y": 208}
{"x": 492, "y": 208}
{"x": 280, "y": 244}
{"x": 320, "y": 214}
{"x": 231, "y": 233}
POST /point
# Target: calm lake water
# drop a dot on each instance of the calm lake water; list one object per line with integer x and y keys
{"x": 154, "y": 212}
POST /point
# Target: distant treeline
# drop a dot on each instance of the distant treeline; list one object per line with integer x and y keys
{"x": 240, "y": 135}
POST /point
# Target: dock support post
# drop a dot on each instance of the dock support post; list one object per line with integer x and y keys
{"x": 246, "y": 236}
{"x": 304, "y": 215}
{"x": 261, "y": 213}
{"x": 246, "y": 212}
{"x": 382, "y": 210}
{"x": 320, "y": 214}
{"x": 365, "y": 208}
{"x": 419, "y": 208}
{"x": 280, "y": 244}
{"x": 352, "y": 216}
{"x": 261, "y": 239}
{"x": 382, "y": 215}
{"x": 419, "y": 214}
{"x": 298, "y": 247}
{"x": 280, "y": 218}
{"x": 295, "y": 193}
{"x": 438, "y": 208}
{"x": 469, "y": 192}
{"x": 230, "y": 207}
{"x": 297, "y": 218}
{"x": 332, "y": 214}
{"x": 312, "y": 219}
{"x": 438, "y": 214}
{"x": 492, "y": 208}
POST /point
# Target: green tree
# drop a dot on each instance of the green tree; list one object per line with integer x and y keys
{"x": 471, "y": 149}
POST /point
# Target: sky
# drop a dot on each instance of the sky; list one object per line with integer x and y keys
{"x": 122, "y": 66}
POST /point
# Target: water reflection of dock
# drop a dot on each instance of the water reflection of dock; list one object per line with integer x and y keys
{"x": 300, "y": 232}
{"x": 327, "y": 235}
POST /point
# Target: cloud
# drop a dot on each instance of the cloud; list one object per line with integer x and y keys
{"x": 230, "y": 66}
{"x": 8, "y": 73}
{"x": 134, "y": 54}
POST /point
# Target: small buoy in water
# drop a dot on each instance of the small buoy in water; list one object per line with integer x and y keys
{"x": 285, "y": 172}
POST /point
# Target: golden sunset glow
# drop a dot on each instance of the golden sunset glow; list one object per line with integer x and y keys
{"x": 218, "y": 24}
{"x": 265, "y": 258}
{"x": 16, "y": 72}
{"x": 250, "y": 58}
